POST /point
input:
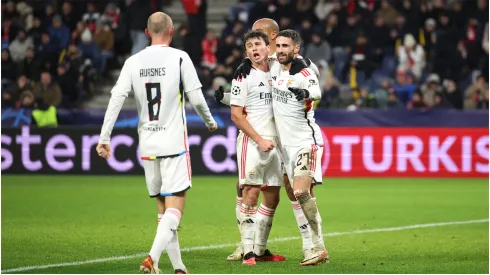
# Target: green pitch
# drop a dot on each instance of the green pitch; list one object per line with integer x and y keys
{"x": 95, "y": 224}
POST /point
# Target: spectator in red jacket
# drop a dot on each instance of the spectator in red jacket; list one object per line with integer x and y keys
{"x": 209, "y": 47}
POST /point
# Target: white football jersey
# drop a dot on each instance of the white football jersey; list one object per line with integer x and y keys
{"x": 158, "y": 75}
{"x": 295, "y": 121}
{"x": 253, "y": 93}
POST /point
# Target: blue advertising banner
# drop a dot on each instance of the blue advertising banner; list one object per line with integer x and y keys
{"x": 338, "y": 118}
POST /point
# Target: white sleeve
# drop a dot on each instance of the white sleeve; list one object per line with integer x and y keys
{"x": 226, "y": 98}
{"x": 238, "y": 92}
{"x": 314, "y": 68}
{"x": 119, "y": 93}
{"x": 199, "y": 104}
{"x": 310, "y": 83}
{"x": 190, "y": 80}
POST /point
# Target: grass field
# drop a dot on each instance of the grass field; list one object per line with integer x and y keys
{"x": 94, "y": 224}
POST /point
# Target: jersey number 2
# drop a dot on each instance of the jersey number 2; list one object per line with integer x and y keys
{"x": 153, "y": 100}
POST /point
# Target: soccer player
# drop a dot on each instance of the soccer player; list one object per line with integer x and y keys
{"x": 159, "y": 76}
{"x": 271, "y": 29}
{"x": 300, "y": 137}
{"x": 259, "y": 163}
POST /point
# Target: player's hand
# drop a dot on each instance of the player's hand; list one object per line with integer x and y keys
{"x": 244, "y": 69}
{"x": 300, "y": 93}
{"x": 297, "y": 65}
{"x": 219, "y": 94}
{"x": 104, "y": 150}
{"x": 213, "y": 127}
{"x": 265, "y": 145}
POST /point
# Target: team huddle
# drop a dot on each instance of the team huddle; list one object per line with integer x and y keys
{"x": 279, "y": 143}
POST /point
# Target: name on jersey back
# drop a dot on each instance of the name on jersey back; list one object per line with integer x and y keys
{"x": 152, "y": 72}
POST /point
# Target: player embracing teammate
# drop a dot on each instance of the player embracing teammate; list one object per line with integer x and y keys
{"x": 290, "y": 80}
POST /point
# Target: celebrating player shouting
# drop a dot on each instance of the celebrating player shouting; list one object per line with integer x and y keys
{"x": 158, "y": 76}
{"x": 259, "y": 163}
{"x": 301, "y": 139}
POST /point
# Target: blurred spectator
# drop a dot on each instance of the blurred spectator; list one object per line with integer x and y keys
{"x": 476, "y": 96}
{"x": 47, "y": 19}
{"x": 111, "y": 16}
{"x": 104, "y": 38}
{"x": 429, "y": 38}
{"x": 382, "y": 93}
{"x": 404, "y": 87}
{"x": 25, "y": 19}
{"x": 440, "y": 102}
{"x": 417, "y": 102}
{"x": 331, "y": 93}
{"x": 31, "y": 66}
{"x": 318, "y": 49}
{"x": 452, "y": 94}
{"x": 27, "y": 100}
{"x": 9, "y": 13}
{"x": 196, "y": 17}
{"x": 8, "y": 31}
{"x": 394, "y": 102}
{"x": 136, "y": 17}
{"x": 209, "y": 47}
{"x": 48, "y": 51}
{"x": 91, "y": 16}
{"x": 324, "y": 7}
{"x": 36, "y": 31}
{"x": 22, "y": 84}
{"x": 9, "y": 68}
{"x": 47, "y": 90}
{"x": 90, "y": 50}
{"x": 411, "y": 56}
{"x": 381, "y": 41}
{"x": 60, "y": 32}
{"x": 430, "y": 88}
{"x": 388, "y": 13}
{"x": 19, "y": 46}
{"x": 484, "y": 61}
{"x": 69, "y": 85}
{"x": 69, "y": 16}
{"x": 179, "y": 37}
{"x": 366, "y": 100}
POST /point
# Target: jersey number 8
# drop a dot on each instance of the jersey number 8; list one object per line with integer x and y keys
{"x": 153, "y": 100}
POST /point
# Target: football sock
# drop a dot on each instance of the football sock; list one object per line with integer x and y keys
{"x": 247, "y": 222}
{"x": 166, "y": 230}
{"x": 304, "y": 228}
{"x": 173, "y": 251}
{"x": 310, "y": 211}
{"x": 263, "y": 219}
{"x": 318, "y": 219}
{"x": 237, "y": 211}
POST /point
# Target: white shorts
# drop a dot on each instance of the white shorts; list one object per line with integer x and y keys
{"x": 303, "y": 161}
{"x": 256, "y": 167}
{"x": 168, "y": 176}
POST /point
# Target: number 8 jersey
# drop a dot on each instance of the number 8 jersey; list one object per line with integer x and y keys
{"x": 158, "y": 76}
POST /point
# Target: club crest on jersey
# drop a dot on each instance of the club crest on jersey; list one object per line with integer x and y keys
{"x": 236, "y": 90}
{"x": 290, "y": 81}
{"x": 270, "y": 82}
{"x": 251, "y": 175}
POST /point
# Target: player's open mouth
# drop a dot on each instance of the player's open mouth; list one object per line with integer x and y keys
{"x": 256, "y": 55}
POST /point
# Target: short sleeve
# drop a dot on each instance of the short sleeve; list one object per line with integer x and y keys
{"x": 238, "y": 92}
{"x": 190, "y": 80}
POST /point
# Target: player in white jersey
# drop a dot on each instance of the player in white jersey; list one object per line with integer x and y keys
{"x": 159, "y": 76}
{"x": 300, "y": 137}
{"x": 271, "y": 29}
{"x": 259, "y": 163}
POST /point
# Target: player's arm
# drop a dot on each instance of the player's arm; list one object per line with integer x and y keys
{"x": 238, "y": 99}
{"x": 119, "y": 93}
{"x": 192, "y": 88}
{"x": 310, "y": 83}
{"x": 221, "y": 96}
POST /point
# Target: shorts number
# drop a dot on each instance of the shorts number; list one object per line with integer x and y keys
{"x": 153, "y": 100}
{"x": 300, "y": 158}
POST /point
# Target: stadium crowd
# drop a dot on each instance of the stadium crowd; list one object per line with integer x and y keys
{"x": 371, "y": 53}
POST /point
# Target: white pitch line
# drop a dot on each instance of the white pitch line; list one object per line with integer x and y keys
{"x": 217, "y": 246}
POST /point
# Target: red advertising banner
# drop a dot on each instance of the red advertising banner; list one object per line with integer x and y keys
{"x": 405, "y": 152}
